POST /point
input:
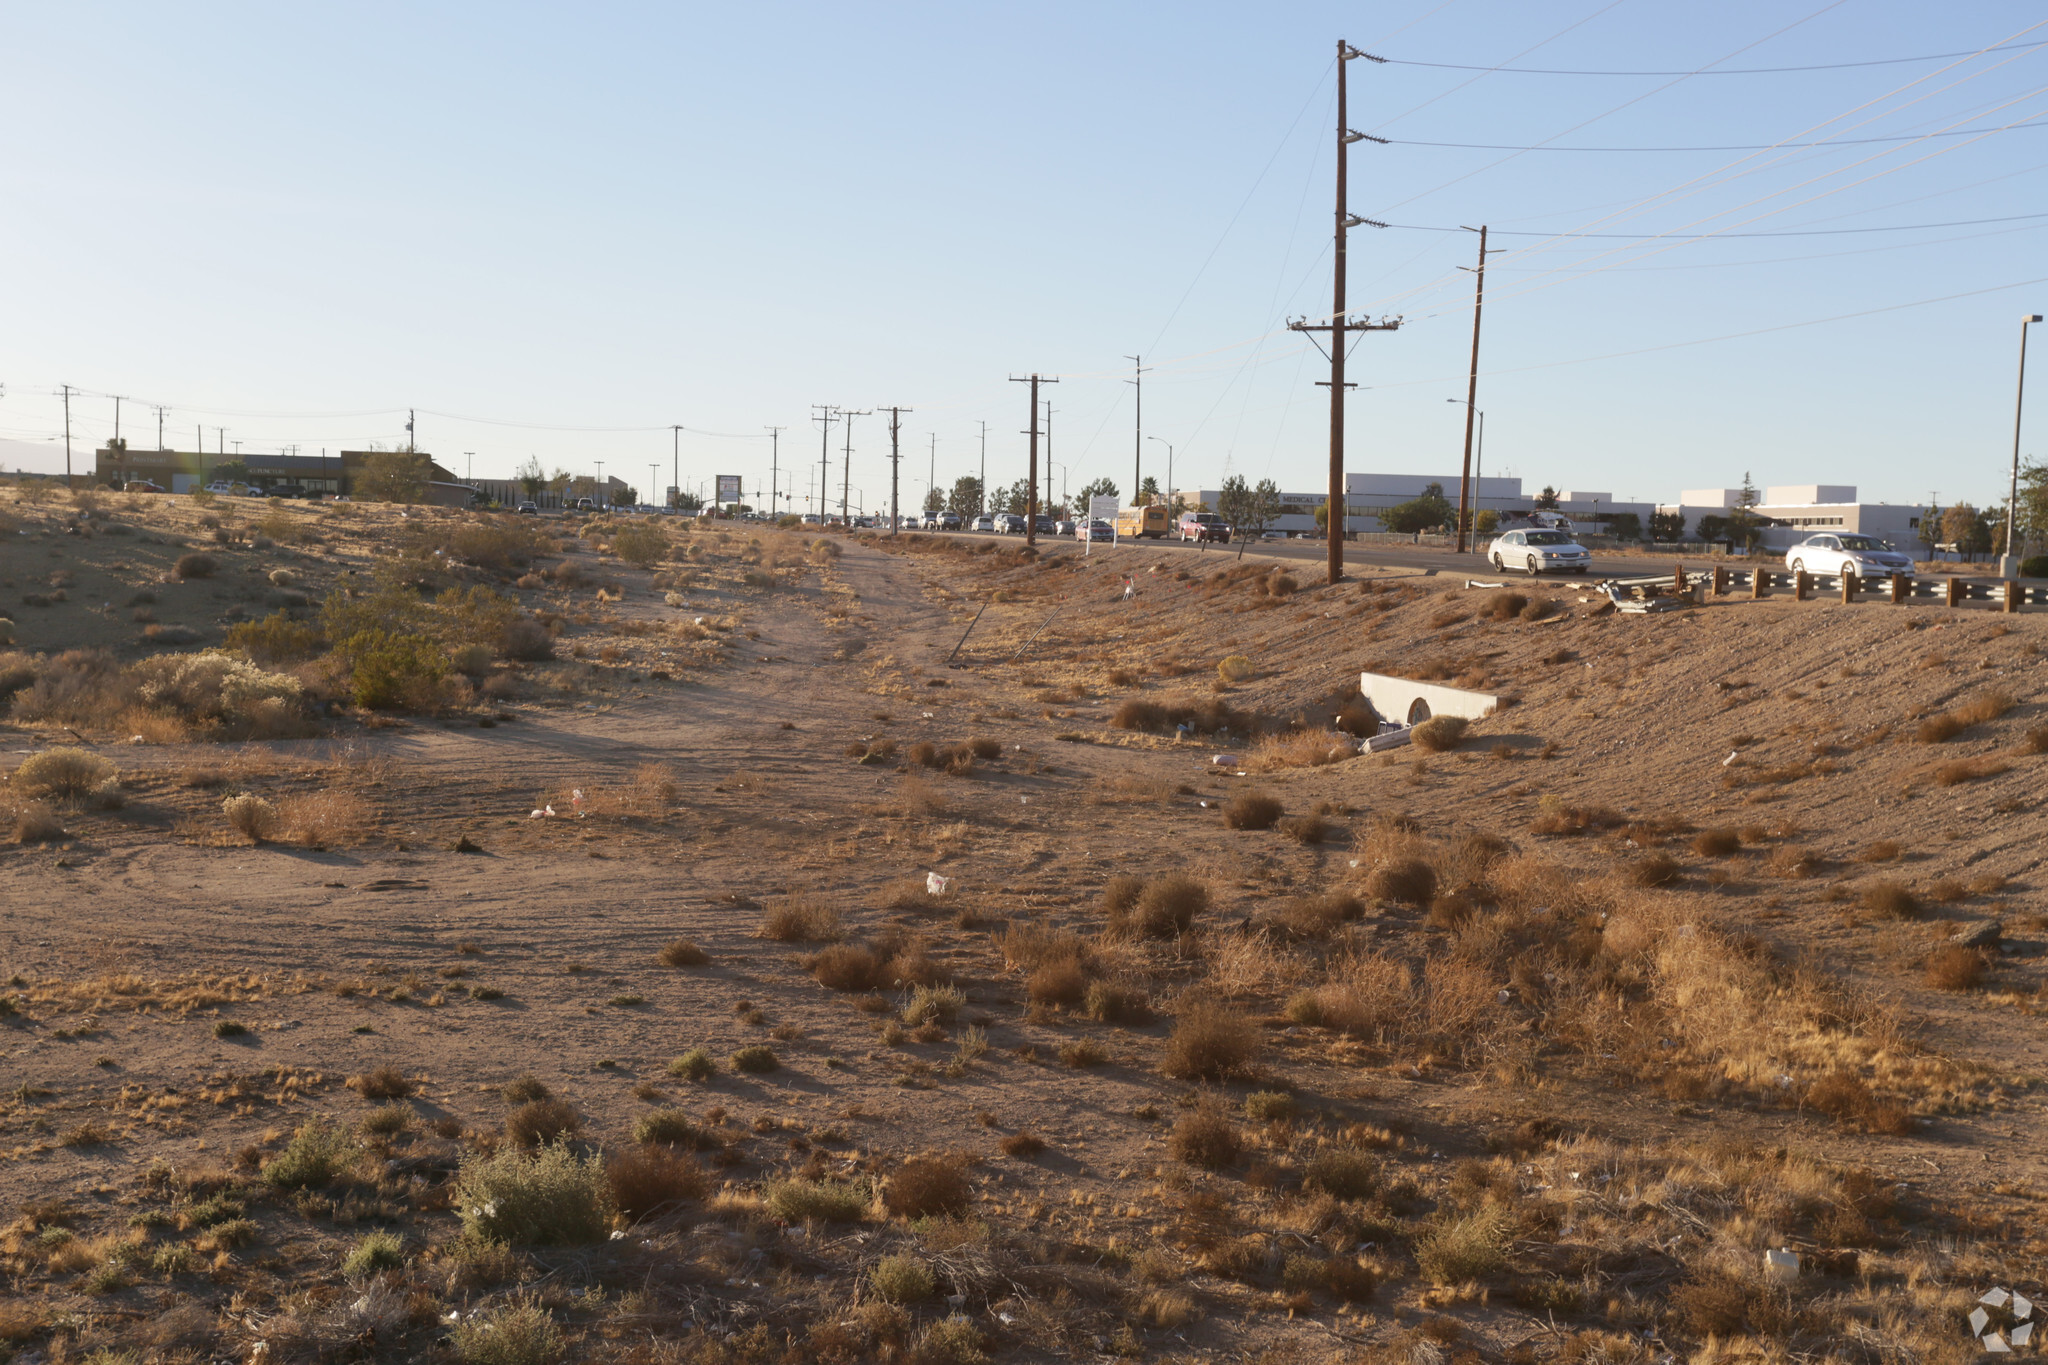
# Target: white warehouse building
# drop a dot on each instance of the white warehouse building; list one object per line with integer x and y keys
{"x": 1796, "y": 511}
{"x": 1367, "y": 496}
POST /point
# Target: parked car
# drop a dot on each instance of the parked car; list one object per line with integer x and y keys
{"x": 949, "y": 521}
{"x": 1097, "y": 529}
{"x": 141, "y": 486}
{"x": 1042, "y": 526}
{"x": 1537, "y": 549}
{"x": 1201, "y": 526}
{"x": 1010, "y": 523}
{"x": 586, "y": 504}
{"x": 984, "y": 522}
{"x": 529, "y": 509}
{"x": 1838, "y": 553}
{"x": 284, "y": 490}
{"x": 1063, "y": 527}
{"x": 227, "y": 490}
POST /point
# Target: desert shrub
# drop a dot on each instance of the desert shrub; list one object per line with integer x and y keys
{"x": 643, "y": 545}
{"x": 1062, "y": 981}
{"x": 1343, "y": 1173}
{"x": 1716, "y": 843}
{"x": 648, "y": 1180}
{"x": 1955, "y": 968}
{"x": 669, "y": 1127}
{"x": 828, "y": 1201}
{"x": 1410, "y": 881}
{"x": 694, "y": 1065}
{"x": 1081, "y": 1053}
{"x": 1307, "y": 830}
{"x": 376, "y": 1251}
{"x": 1890, "y": 900}
{"x": 1204, "y": 1136}
{"x": 1317, "y": 916}
{"x": 849, "y": 967}
{"x": 317, "y": 1153}
{"x": 1113, "y": 1003}
{"x": 519, "y": 1333}
{"x": 541, "y": 1121}
{"x": 250, "y": 815}
{"x": 1556, "y": 818}
{"x": 1119, "y": 894}
{"x": 77, "y": 687}
{"x": 1470, "y": 1248}
{"x": 902, "y": 1279}
{"x": 934, "y": 1004}
{"x": 65, "y": 772}
{"x": 1200, "y": 716}
{"x": 549, "y": 1198}
{"x": 928, "y": 1187}
{"x": 276, "y": 639}
{"x": 525, "y": 1090}
{"x": 386, "y": 1120}
{"x": 682, "y": 953}
{"x": 801, "y": 919}
{"x": 1656, "y": 869}
{"x": 1235, "y": 668}
{"x": 1022, "y": 1145}
{"x": 1946, "y": 725}
{"x": 196, "y": 565}
{"x": 221, "y": 691}
{"x": 1270, "y": 1106}
{"x": 754, "y": 1060}
{"x": 391, "y": 670}
{"x": 1366, "y": 997}
{"x": 36, "y": 823}
{"x": 949, "y": 1341}
{"x": 1209, "y": 1042}
{"x": 1165, "y": 907}
{"x": 17, "y": 671}
{"x": 1848, "y": 1099}
{"x": 1440, "y": 734}
{"x": 1504, "y": 606}
{"x": 1252, "y": 810}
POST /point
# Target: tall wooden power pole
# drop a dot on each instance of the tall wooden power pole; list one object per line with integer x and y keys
{"x": 1340, "y": 323}
{"x": 895, "y": 463}
{"x": 774, "y": 469}
{"x": 826, "y": 416}
{"x": 846, "y": 470}
{"x": 1031, "y": 500}
{"x": 1465, "y": 489}
{"x": 1137, "y": 380}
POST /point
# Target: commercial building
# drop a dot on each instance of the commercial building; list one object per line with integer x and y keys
{"x": 329, "y": 476}
{"x": 1790, "y": 513}
{"x": 1368, "y": 497}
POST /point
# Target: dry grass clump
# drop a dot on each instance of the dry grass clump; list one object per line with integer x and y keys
{"x": 1163, "y": 908}
{"x": 801, "y": 919}
{"x": 541, "y": 1121}
{"x": 1299, "y": 749}
{"x": 1369, "y": 996}
{"x": 1848, "y": 1099}
{"x": 382, "y": 1083}
{"x": 1022, "y": 1144}
{"x": 2035, "y": 741}
{"x": 1210, "y": 1042}
{"x": 1883, "y": 851}
{"x": 1890, "y": 900}
{"x": 1955, "y": 968}
{"x": 1317, "y": 916}
{"x": 1202, "y": 717}
{"x": 1558, "y": 819}
{"x": 1111, "y": 1002}
{"x": 550, "y": 1198}
{"x": 196, "y": 566}
{"x": 1716, "y": 843}
{"x": 1503, "y": 606}
{"x": 1799, "y": 864}
{"x": 1254, "y": 809}
{"x": 1946, "y": 725}
{"x": 1656, "y": 869}
{"x": 1204, "y": 1136}
{"x": 1060, "y": 981}
{"x": 1440, "y": 734}
{"x": 324, "y": 819}
{"x": 896, "y": 961}
{"x": 1029, "y": 944}
{"x": 1306, "y": 830}
{"x": 645, "y": 1181}
{"x": 251, "y": 816}
{"x": 1410, "y": 881}
{"x": 902, "y": 1279}
{"x": 682, "y": 952}
{"x": 66, "y": 772}
{"x": 827, "y": 1201}
{"x": 928, "y": 1187}
{"x": 1969, "y": 770}
{"x": 36, "y": 823}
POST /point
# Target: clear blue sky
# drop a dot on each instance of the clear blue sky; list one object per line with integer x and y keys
{"x": 297, "y": 221}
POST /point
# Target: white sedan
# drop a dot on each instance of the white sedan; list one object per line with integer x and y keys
{"x": 1835, "y": 553}
{"x": 1536, "y": 550}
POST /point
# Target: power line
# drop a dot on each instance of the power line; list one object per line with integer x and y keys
{"x": 1732, "y": 147}
{"x": 1697, "y": 236}
{"x": 1739, "y": 71}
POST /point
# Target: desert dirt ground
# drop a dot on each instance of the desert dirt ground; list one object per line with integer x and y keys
{"x": 1592, "y": 993}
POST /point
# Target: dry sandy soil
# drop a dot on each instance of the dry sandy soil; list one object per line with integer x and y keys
{"x": 1679, "y": 986}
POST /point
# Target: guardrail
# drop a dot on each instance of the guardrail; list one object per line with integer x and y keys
{"x": 2009, "y": 595}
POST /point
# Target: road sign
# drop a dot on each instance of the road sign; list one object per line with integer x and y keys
{"x": 728, "y": 488}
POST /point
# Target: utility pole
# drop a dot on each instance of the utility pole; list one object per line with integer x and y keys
{"x": 117, "y": 418}
{"x": 983, "y": 506}
{"x": 220, "y": 436}
{"x": 1138, "y": 380}
{"x": 826, "y": 416}
{"x": 675, "y": 455}
{"x": 1048, "y": 452}
{"x": 846, "y": 469}
{"x": 2011, "y": 567}
{"x": 895, "y": 464}
{"x": 932, "y": 478}
{"x": 469, "y": 466}
{"x": 69, "y": 484}
{"x": 412, "y": 444}
{"x": 1340, "y": 322}
{"x": 1031, "y": 502}
{"x": 1465, "y": 489}
{"x": 774, "y": 466}
{"x": 160, "y": 427}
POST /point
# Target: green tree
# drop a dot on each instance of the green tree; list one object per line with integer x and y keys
{"x": 1425, "y": 513}
{"x": 1667, "y": 526}
{"x": 229, "y": 471}
{"x": 1148, "y": 492}
{"x": 1486, "y": 522}
{"x": 1743, "y": 527}
{"x": 1101, "y": 488}
{"x": 1249, "y": 510}
{"x": 934, "y": 500}
{"x": 1714, "y": 528}
{"x": 965, "y": 499}
{"x": 531, "y": 477}
{"x": 1625, "y": 526}
{"x": 1547, "y": 499}
{"x": 393, "y": 476}
{"x": 1929, "y": 530}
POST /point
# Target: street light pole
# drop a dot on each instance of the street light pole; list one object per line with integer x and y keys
{"x": 2009, "y": 566}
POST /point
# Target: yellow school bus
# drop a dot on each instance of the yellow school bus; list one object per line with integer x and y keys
{"x": 1132, "y": 522}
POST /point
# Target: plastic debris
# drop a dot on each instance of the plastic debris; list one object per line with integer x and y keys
{"x": 935, "y": 884}
{"x": 1995, "y": 1344}
{"x": 1979, "y": 1320}
{"x": 1223, "y": 760}
{"x": 1781, "y": 1264}
{"x": 1997, "y": 1298}
{"x": 543, "y": 813}
{"x": 1732, "y": 755}
{"x": 2023, "y": 1334}
{"x": 2022, "y": 1307}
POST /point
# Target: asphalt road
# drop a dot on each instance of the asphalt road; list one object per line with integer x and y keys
{"x": 1359, "y": 559}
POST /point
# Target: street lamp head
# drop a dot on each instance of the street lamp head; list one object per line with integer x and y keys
{"x": 2031, "y": 317}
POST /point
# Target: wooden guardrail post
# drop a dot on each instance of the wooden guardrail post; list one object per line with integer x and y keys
{"x": 2010, "y": 598}
{"x": 1802, "y": 583}
{"x": 1757, "y": 578}
{"x": 1848, "y": 586}
{"x": 1901, "y": 586}
{"x": 1720, "y": 581}
{"x": 1678, "y": 579}
{"x": 1954, "y": 595}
